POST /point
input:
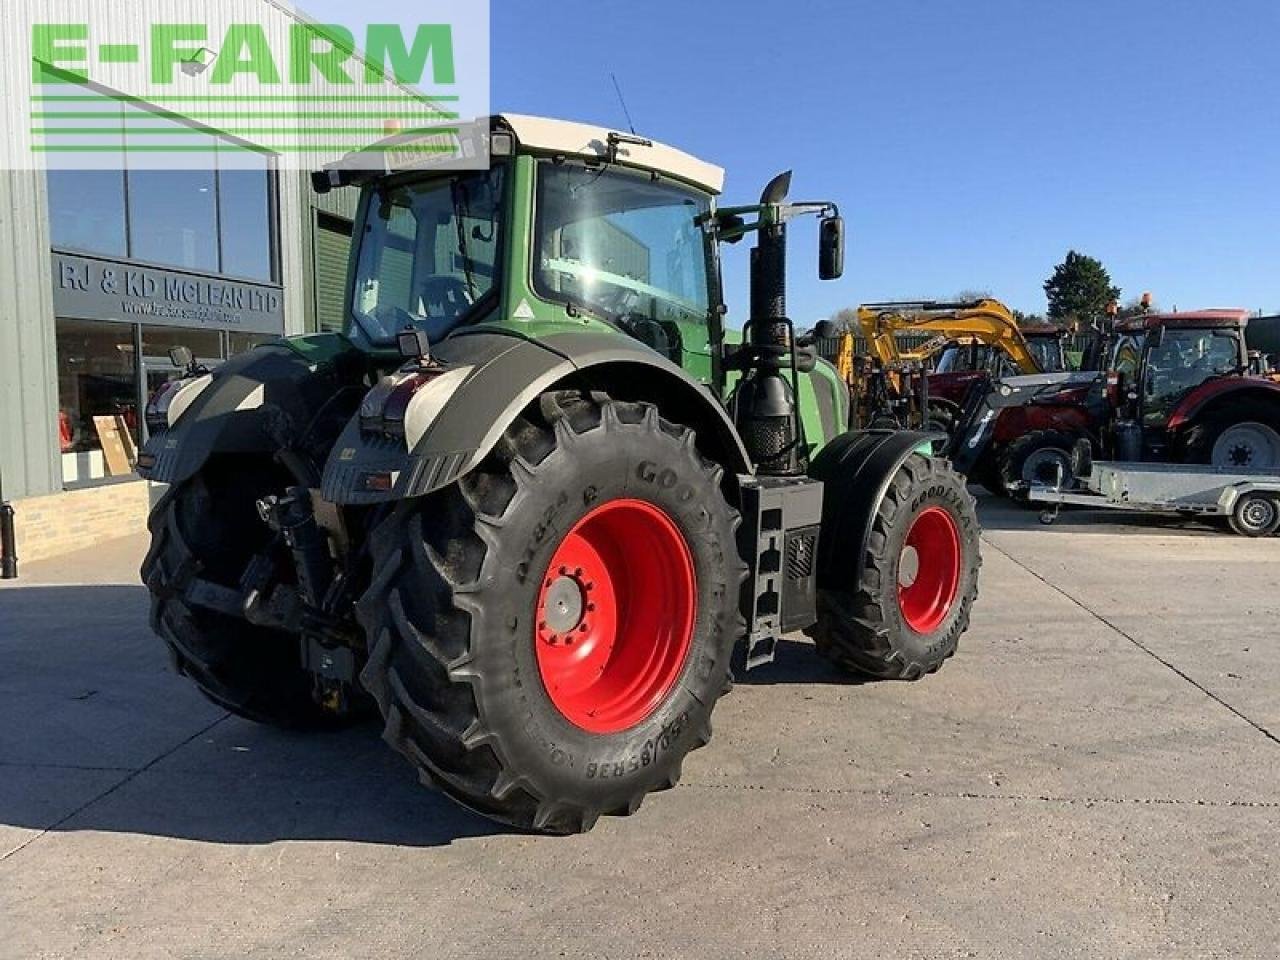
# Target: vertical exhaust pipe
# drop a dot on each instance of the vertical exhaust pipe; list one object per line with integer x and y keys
{"x": 765, "y": 404}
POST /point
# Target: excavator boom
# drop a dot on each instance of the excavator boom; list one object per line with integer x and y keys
{"x": 988, "y": 321}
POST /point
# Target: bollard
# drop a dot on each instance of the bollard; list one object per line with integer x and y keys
{"x": 8, "y": 544}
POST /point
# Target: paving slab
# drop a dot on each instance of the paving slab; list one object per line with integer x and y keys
{"x": 1072, "y": 784}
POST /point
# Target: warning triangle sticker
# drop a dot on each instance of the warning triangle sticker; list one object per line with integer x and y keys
{"x": 524, "y": 311}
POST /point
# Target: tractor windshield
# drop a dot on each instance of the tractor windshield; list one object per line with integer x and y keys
{"x": 1182, "y": 360}
{"x": 1050, "y": 355}
{"x": 619, "y": 244}
{"x": 429, "y": 254}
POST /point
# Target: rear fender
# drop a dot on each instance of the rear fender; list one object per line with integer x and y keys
{"x": 249, "y": 403}
{"x": 1265, "y": 394}
{"x": 856, "y": 469}
{"x": 492, "y": 378}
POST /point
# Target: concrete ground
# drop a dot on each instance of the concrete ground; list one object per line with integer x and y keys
{"x": 1096, "y": 774}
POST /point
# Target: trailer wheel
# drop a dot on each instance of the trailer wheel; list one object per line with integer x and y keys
{"x": 904, "y": 617}
{"x": 1035, "y": 458}
{"x": 548, "y": 636}
{"x": 1255, "y": 515}
{"x": 207, "y": 526}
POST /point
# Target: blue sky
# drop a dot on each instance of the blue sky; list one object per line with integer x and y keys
{"x": 969, "y": 144}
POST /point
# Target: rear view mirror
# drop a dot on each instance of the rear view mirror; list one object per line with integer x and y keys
{"x": 831, "y": 248}
{"x": 180, "y": 357}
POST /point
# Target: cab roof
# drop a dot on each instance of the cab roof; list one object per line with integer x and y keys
{"x": 402, "y": 153}
{"x": 545, "y": 135}
{"x": 1193, "y": 319}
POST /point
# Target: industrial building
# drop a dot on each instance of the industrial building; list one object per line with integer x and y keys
{"x": 103, "y": 270}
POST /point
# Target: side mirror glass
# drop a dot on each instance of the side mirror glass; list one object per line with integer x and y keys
{"x": 831, "y": 248}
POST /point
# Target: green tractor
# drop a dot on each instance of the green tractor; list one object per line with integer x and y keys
{"x": 528, "y": 503}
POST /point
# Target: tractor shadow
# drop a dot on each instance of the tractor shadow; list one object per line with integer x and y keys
{"x": 795, "y": 662}
{"x": 98, "y": 734}
{"x": 998, "y": 514}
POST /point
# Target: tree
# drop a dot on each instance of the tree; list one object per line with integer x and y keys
{"x": 846, "y": 319}
{"x": 1080, "y": 290}
{"x": 1028, "y": 319}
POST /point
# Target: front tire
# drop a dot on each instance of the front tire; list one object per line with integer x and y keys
{"x": 905, "y": 615}
{"x": 1036, "y": 458}
{"x": 549, "y": 635}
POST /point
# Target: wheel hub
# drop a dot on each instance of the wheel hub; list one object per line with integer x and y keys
{"x": 1247, "y": 445}
{"x": 565, "y": 603}
{"x": 908, "y": 566}
{"x": 1258, "y": 513}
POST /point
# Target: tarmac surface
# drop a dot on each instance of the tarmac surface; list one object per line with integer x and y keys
{"x": 1096, "y": 774}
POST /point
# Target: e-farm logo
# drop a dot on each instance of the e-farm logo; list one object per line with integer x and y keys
{"x": 153, "y": 96}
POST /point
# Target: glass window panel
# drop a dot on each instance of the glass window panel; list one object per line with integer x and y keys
{"x": 244, "y": 342}
{"x": 86, "y": 210}
{"x": 427, "y": 256}
{"x": 621, "y": 245}
{"x": 172, "y": 212}
{"x": 204, "y": 345}
{"x": 86, "y": 206}
{"x": 244, "y": 200}
{"x": 96, "y": 378}
{"x": 172, "y": 218}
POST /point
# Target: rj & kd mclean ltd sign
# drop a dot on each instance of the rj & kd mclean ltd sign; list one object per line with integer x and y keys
{"x": 94, "y": 288}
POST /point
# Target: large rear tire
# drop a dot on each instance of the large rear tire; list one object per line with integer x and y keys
{"x": 1235, "y": 436}
{"x": 548, "y": 636}
{"x": 208, "y": 527}
{"x": 904, "y": 616}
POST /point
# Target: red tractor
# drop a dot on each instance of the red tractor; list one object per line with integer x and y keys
{"x": 963, "y": 362}
{"x": 1175, "y": 388}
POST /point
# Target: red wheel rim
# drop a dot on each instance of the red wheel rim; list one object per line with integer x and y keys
{"x": 929, "y": 570}
{"x": 614, "y": 616}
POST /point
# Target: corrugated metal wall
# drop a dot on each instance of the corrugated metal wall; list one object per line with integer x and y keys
{"x": 29, "y": 453}
{"x": 29, "y": 450}
{"x": 28, "y": 370}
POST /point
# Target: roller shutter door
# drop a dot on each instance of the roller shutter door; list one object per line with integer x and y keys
{"x": 332, "y": 248}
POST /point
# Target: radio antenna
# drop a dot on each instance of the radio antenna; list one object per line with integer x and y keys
{"x": 625, "y": 112}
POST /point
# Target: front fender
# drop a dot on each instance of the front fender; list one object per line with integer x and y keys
{"x": 498, "y": 375}
{"x": 856, "y": 469}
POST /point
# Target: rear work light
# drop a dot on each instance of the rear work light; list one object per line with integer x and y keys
{"x": 405, "y": 404}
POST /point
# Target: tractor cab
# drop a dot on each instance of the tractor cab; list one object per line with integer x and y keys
{"x": 1178, "y": 356}
{"x": 1048, "y": 344}
{"x": 570, "y": 225}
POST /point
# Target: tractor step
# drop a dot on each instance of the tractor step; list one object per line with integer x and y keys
{"x": 782, "y": 517}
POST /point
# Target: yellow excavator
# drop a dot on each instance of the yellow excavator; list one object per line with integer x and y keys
{"x": 987, "y": 322}
{"x": 894, "y": 385}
